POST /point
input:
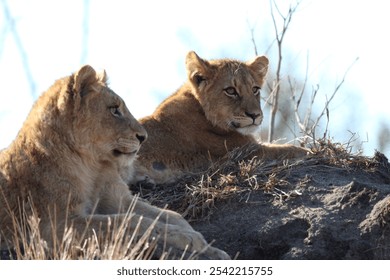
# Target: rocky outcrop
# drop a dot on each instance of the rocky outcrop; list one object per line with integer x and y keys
{"x": 330, "y": 206}
{"x": 324, "y": 212}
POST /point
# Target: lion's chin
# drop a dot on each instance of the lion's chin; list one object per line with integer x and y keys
{"x": 249, "y": 130}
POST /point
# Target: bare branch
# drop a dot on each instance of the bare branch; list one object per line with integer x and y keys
{"x": 3, "y": 33}
{"x": 22, "y": 52}
{"x": 308, "y": 126}
{"x": 334, "y": 93}
{"x": 297, "y": 102}
{"x": 276, "y": 84}
{"x": 252, "y": 30}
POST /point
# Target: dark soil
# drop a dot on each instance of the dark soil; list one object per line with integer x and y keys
{"x": 330, "y": 206}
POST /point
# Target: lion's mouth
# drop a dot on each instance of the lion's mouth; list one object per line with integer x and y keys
{"x": 237, "y": 125}
{"x": 124, "y": 152}
{"x": 234, "y": 125}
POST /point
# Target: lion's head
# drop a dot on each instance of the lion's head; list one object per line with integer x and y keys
{"x": 104, "y": 119}
{"x": 82, "y": 114}
{"x": 229, "y": 91}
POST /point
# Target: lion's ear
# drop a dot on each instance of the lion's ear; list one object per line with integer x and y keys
{"x": 102, "y": 77}
{"x": 259, "y": 65}
{"x": 83, "y": 79}
{"x": 198, "y": 69}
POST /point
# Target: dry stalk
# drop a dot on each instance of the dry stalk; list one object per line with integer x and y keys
{"x": 307, "y": 124}
{"x": 28, "y": 243}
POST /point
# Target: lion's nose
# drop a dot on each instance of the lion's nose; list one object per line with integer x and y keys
{"x": 252, "y": 115}
{"x": 141, "y": 138}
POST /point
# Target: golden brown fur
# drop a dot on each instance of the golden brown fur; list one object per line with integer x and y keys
{"x": 66, "y": 162}
{"x": 215, "y": 111}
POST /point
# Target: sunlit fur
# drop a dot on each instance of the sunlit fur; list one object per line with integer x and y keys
{"x": 67, "y": 165}
{"x": 216, "y": 110}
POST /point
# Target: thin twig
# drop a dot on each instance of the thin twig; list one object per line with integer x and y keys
{"x": 326, "y": 106}
{"x": 279, "y": 40}
{"x": 252, "y": 31}
{"x": 22, "y": 52}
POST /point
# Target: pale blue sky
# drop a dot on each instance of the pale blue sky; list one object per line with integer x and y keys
{"x": 142, "y": 46}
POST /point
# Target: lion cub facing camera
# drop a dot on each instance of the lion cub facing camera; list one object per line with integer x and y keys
{"x": 215, "y": 111}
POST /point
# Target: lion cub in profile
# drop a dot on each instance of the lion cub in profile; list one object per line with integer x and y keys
{"x": 215, "y": 111}
{"x": 65, "y": 167}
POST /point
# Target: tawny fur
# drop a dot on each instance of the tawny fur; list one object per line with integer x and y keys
{"x": 216, "y": 110}
{"x": 66, "y": 164}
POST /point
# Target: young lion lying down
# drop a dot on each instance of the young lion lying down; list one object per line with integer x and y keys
{"x": 65, "y": 166}
{"x": 215, "y": 111}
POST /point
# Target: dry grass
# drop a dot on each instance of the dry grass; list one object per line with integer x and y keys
{"x": 71, "y": 246}
{"x": 238, "y": 174}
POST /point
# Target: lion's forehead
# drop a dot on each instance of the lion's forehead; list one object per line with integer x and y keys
{"x": 109, "y": 92}
{"x": 110, "y": 95}
{"x": 239, "y": 77}
{"x": 243, "y": 82}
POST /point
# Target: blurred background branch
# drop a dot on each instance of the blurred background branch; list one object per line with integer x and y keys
{"x": 10, "y": 26}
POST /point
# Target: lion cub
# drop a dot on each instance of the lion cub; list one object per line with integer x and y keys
{"x": 215, "y": 111}
{"x": 65, "y": 166}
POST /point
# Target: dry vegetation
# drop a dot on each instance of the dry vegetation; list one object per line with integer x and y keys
{"x": 115, "y": 245}
{"x": 235, "y": 177}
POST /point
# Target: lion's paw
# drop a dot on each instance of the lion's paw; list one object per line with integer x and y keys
{"x": 194, "y": 243}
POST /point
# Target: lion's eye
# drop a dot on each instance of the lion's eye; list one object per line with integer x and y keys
{"x": 256, "y": 90}
{"x": 231, "y": 92}
{"x": 115, "y": 111}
